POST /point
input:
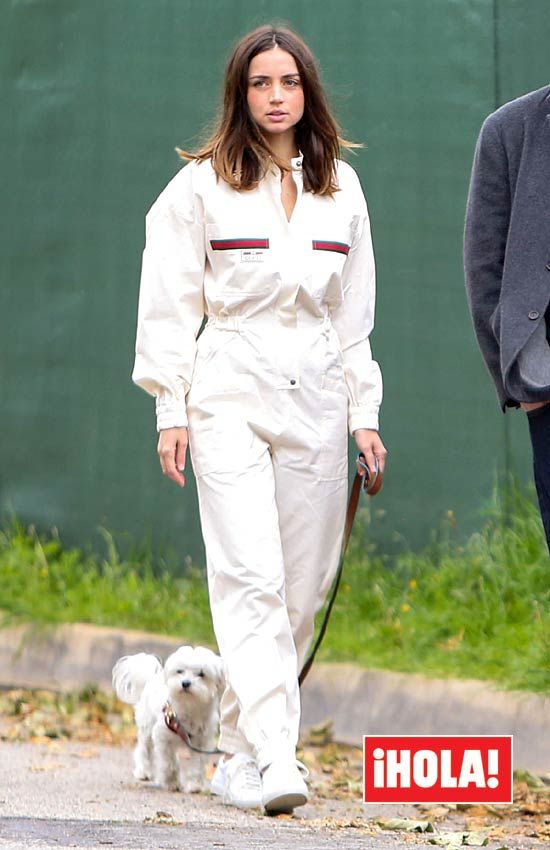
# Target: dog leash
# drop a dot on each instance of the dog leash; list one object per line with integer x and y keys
{"x": 370, "y": 482}
{"x": 174, "y": 724}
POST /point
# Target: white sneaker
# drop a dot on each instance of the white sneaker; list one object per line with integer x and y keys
{"x": 283, "y": 786}
{"x": 237, "y": 781}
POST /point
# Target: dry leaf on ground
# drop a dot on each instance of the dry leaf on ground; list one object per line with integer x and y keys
{"x": 408, "y": 824}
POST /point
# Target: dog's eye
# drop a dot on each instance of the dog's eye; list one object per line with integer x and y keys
{"x": 201, "y": 673}
{"x": 179, "y": 672}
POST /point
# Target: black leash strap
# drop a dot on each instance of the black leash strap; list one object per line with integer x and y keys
{"x": 371, "y": 483}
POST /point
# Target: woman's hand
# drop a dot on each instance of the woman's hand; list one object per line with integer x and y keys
{"x": 172, "y": 448}
{"x": 370, "y": 444}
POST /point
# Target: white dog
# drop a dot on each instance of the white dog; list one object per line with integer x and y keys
{"x": 187, "y": 690}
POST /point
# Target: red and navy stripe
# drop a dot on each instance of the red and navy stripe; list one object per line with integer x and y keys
{"x": 337, "y": 247}
{"x": 237, "y": 244}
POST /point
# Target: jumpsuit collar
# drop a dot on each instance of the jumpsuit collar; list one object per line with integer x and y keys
{"x": 296, "y": 163}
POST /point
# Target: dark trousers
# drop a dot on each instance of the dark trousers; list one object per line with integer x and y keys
{"x": 539, "y": 427}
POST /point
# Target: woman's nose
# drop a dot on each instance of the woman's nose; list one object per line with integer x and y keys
{"x": 276, "y": 94}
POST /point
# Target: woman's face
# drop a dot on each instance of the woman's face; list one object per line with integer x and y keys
{"x": 275, "y": 94}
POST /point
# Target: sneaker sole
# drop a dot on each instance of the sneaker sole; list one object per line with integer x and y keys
{"x": 285, "y": 803}
{"x": 251, "y": 804}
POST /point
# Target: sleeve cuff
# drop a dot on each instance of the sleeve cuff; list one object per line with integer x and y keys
{"x": 362, "y": 417}
{"x": 171, "y": 414}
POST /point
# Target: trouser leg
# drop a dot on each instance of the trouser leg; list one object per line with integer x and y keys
{"x": 539, "y": 428}
{"x": 311, "y": 474}
{"x": 247, "y": 596}
{"x": 231, "y": 738}
{"x": 312, "y": 516}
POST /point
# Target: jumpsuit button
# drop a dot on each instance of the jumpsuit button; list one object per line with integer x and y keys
{"x": 292, "y": 381}
{"x": 534, "y": 314}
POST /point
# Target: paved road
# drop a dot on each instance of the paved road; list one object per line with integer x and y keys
{"x": 21, "y": 833}
{"x": 76, "y": 795}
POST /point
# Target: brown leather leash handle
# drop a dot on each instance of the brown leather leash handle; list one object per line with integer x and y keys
{"x": 371, "y": 483}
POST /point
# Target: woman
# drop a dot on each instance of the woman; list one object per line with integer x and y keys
{"x": 266, "y": 232}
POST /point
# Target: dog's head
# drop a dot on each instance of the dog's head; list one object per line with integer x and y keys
{"x": 194, "y": 674}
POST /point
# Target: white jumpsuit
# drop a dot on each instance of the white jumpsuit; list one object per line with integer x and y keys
{"x": 268, "y": 390}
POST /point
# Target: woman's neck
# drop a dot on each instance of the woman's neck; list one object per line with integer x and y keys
{"x": 283, "y": 147}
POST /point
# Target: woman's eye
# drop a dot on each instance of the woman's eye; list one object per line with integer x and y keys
{"x": 293, "y": 83}
{"x": 259, "y": 84}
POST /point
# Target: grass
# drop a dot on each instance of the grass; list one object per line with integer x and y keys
{"x": 479, "y": 610}
{"x": 44, "y": 583}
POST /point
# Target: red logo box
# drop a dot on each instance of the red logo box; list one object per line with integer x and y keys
{"x": 437, "y": 769}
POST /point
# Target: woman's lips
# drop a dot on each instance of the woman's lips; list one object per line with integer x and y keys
{"x": 276, "y": 116}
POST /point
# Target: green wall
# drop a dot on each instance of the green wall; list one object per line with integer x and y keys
{"x": 96, "y": 94}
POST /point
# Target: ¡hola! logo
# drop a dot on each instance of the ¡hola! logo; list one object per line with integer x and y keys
{"x": 437, "y": 769}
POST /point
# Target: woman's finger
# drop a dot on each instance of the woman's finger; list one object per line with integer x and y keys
{"x": 181, "y": 450}
{"x": 169, "y": 458}
{"x": 159, "y": 452}
{"x": 381, "y": 454}
{"x": 370, "y": 459}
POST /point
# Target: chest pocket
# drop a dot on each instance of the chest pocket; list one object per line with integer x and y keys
{"x": 329, "y": 252}
{"x": 240, "y": 261}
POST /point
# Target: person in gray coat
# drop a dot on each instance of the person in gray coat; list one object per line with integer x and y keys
{"x": 507, "y": 265}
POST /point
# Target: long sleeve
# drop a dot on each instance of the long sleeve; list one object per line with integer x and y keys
{"x": 353, "y": 321}
{"x": 171, "y": 304}
{"x": 486, "y": 230}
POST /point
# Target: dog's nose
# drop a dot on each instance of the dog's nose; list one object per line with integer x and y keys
{"x": 186, "y": 683}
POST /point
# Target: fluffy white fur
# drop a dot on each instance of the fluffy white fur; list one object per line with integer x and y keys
{"x": 192, "y": 680}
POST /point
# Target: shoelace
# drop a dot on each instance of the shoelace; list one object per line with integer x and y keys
{"x": 251, "y": 774}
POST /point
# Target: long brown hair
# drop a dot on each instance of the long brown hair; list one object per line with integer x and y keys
{"x": 239, "y": 152}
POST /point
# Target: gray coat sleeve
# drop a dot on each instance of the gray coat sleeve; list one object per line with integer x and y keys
{"x": 486, "y": 231}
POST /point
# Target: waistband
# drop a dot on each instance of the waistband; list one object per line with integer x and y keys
{"x": 266, "y": 319}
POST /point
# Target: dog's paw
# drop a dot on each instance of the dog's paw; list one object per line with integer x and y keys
{"x": 169, "y": 784}
{"x": 142, "y": 775}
